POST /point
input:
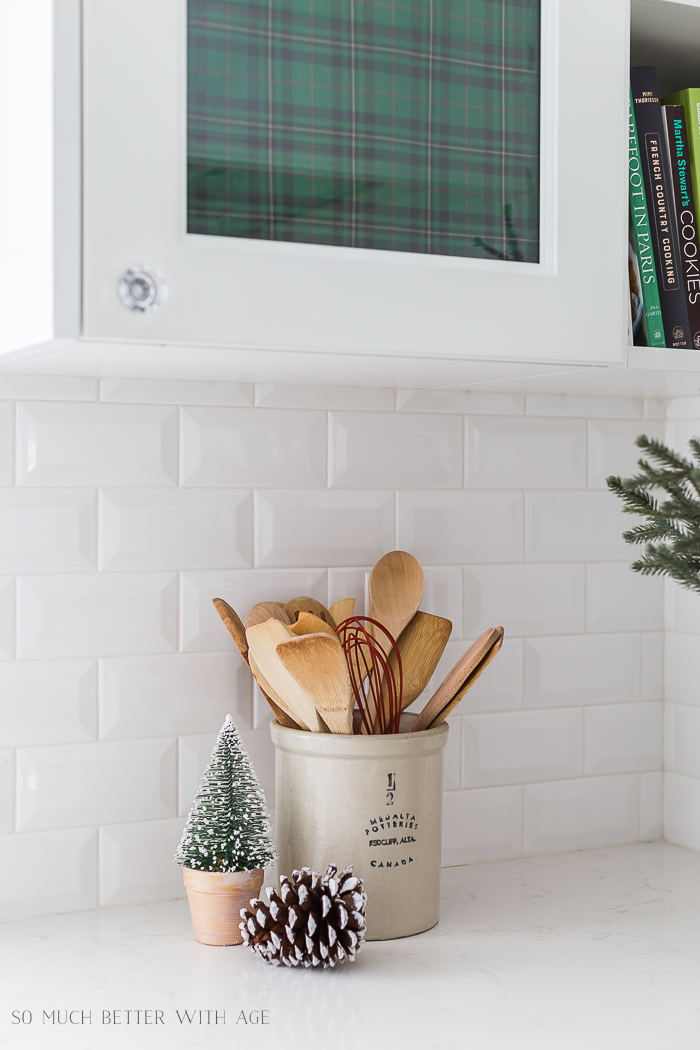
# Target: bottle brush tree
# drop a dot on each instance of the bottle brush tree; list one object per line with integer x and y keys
{"x": 671, "y": 531}
{"x": 228, "y": 827}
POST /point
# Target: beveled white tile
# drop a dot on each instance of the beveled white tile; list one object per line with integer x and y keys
{"x": 96, "y": 615}
{"x": 201, "y": 628}
{"x": 612, "y": 449}
{"x": 176, "y": 529}
{"x": 365, "y": 399}
{"x": 150, "y": 696}
{"x": 324, "y": 528}
{"x": 580, "y": 814}
{"x": 175, "y": 392}
{"x": 569, "y": 405}
{"x": 7, "y": 443}
{"x": 195, "y": 752}
{"x": 110, "y": 782}
{"x": 683, "y": 408}
{"x": 682, "y": 810}
{"x": 7, "y": 792}
{"x": 31, "y": 886}
{"x": 462, "y": 402}
{"x": 442, "y": 595}
{"x": 670, "y": 736}
{"x": 583, "y": 669}
{"x": 155, "y": 878}
{"x": 687, "y": 609}
{"x": 452, "y": 756}
{"x": 652, "y": 666}
{"x": 48, "y": 388}
{"x": 619, "y": 599}
{"x": 47, "y": 702}
{"x": 7, "y": 618}
{"x": 381, "y": 450}
{"x": 650, "y": 806}
{"x": 670, "y": 590}
{"x": 687, "y": 740}
{"x": 83, "y": 444}
{"x": 453, "y": 528}
{"x": 511, "y": 453}
{"x": 517, "y": 747}
{"x": 682, "y": 668}
{"x": 48, "y": 530}
{"x": 652, "y": 408}
{"x": 623, "y": 738}
{"x": 500, "y": 687}
{"x": 252, "y": 448}
{"x": 481, "y": 824}
{"x": 524, "y": 599}
{"x": 574, "y": 526}
{"x": 348, "y": 583}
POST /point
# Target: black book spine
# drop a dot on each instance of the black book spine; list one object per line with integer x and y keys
{"x": 686, "y": 222}
{"x": 659, "y": 190}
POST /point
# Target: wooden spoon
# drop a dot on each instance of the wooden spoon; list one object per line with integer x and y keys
{"x": 396, "y": 586}
{"x": 317, "y": 663}
{"x": 449, "y": 707}
{"x": 236, "y": 629}
{"x": 263, "y": 639}
{"x": 421, "y": 644}
{"x": 449, "y": 688}
{"x": 310, "y": 624}
{"x": 342, "y": 610}
{"x": 306, "y": 604}
{"x": 264, "y": 611}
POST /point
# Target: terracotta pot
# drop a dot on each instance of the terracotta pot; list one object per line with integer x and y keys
{"x": 216, "y": 899}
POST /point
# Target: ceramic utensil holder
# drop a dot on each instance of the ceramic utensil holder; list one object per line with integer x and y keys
{"x": 371, "y": 801}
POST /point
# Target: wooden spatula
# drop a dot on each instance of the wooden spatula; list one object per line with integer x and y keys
{"x": 263, "y": 611}
{"x": 263, "y": 639}
{"x": 342, "y": 610}
{"x": 449, "y": 688}
{"x": 421, "y": 644}
{"x": 317, "y": 663}
{"x": 396, "y": 586}
{"x": 306, "y": 604}
{"x": 449, "y": 707}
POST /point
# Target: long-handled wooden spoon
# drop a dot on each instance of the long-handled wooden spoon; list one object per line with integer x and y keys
{"x": 478, "y": 670}
{"x": 263, "y": 639}
{"x": 317, "y": 663}
{"x": 396, "y": 586}
{"x": 448, "y": 689}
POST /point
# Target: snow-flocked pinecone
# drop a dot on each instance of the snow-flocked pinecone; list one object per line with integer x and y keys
{"x": 315, "y": 920}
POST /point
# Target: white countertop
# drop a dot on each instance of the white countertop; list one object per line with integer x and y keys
{"x": 590, "y": 950}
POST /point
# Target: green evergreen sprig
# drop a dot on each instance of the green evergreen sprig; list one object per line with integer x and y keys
{"x": 671, "y": 532}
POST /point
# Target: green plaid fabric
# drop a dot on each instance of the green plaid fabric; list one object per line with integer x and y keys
{"x": 408, "y": 126}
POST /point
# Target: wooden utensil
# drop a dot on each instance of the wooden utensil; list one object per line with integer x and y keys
{"x": 421, "y": 644}
{"x": 342, "y": 610}
{"x": 236, "y": 629}
{"x": 263, "y": 639}
{"x": 310, "y": 624}
{"x": 264, "y": 611}
{"x": 306, "y": 604}
{"x": 478, "y": 670}
{"x": 318, "y": 665}
{"x": 449, "y": 688}
{"x": 396, "y": 586}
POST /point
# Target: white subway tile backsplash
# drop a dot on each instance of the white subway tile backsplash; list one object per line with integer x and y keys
{"x": 579, "y": 814}
{"x": 670, "y": 736}
{"x": 499, "y": 688}
{"x": 155, "y": 876}
{"x": 524, "y": 599}
{"x": 350, "y": 583}
{"x": 652, "y": 666}
{"x": 481, "y": 824}
{"x": 442, "y": 595}
{"x": 48, "y": 530}
{"x": 653, "y": 408}
{"x": 573, "y": 526}
{"x": 453, "y": 528}
{"x": 47, "y": 702}
{"x": 176, "y": 529}
{"x": 612, "y": 449}
{"x": 7, "y": 792}
{"x": 380, "y": 450}
{"x": 682, "y": 668}
{"x": 253, "y": 448}
{"x": 364, "y": 399}
{"x": 151, "y": 696}
{"x": 175, "y": 392}
{"x": 568, "y": 405}
{"x": 7, "y": 617}
{"x": 461, "y": 402}
{"x": 650, "y": 806}
{"x": 195, "y": 752}
{"x": 682, "y": 810}
{"x": 48, "y": 388}
{"x": 201, "y": 628}
{"x": 83, "y": 444}
{"x": 110, "y": 782}
{"x": 296, "y": 528}
{"x": 623, "y": 738}
{"x": 32, "y": 885}
{"x": 7, "y": 443}
{"x": 96, "y": 615}
{"x": 517, "y": 747}
{"x": 582, "y": 669}
{"x": 687, "y": 610}
{"x": 683, "y": 408}
{"x": 687, "y": 740}
{"x": 619, "y": 599}
{"x": 512, "y": 453}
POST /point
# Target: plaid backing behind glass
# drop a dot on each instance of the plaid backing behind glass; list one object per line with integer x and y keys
{"x": 409, "y": 126}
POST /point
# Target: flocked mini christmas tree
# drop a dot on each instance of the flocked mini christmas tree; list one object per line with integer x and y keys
{"x": 228, "y": 827}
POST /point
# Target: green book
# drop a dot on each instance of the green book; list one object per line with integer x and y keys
{"x": 642, "y": 238}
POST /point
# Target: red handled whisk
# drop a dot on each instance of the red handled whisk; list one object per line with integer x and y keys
{"x": 376, "y": 685}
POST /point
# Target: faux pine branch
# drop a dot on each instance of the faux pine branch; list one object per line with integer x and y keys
{"x": 671, "y": 531}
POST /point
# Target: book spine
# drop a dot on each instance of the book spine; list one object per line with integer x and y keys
{"x": 659, "y": 195}
{"x": 639, "y": 217}
{"x": 677, "y": 142}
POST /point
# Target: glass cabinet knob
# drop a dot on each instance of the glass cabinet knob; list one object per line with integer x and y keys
{"x": 141, "y": 290}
